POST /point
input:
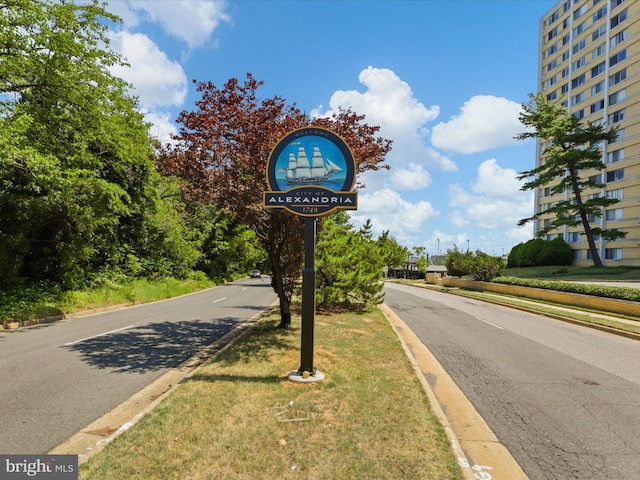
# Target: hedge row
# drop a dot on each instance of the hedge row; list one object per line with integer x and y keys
{"x": 620, "y": 293}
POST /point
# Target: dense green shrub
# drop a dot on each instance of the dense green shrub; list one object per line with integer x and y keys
{"x": 538, "y": 252}
{"x": 478, "y": 265}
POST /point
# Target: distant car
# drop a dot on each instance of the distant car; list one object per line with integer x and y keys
{"x": 255, "y": 274}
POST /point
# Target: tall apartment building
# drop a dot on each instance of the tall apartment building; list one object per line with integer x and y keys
{"x": 590, "y": 62}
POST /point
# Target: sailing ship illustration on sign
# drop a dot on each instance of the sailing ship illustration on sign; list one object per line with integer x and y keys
{"x": 318, "y": 170}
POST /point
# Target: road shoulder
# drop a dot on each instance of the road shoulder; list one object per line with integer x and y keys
{"x": 479, "y": 452}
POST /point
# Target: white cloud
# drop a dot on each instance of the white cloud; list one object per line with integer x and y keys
{"x": 484, "y": 122}
{"x": 496, "y": 182}
{"x": 162, "y": 127}
{"x": 156, "y": 80}
{"x": 191, "y": 21}
{"x": 389, "y": 102}
{"x": 413, "y": 178}
{"x": 387, "y": 210}
{"x": 495, "y": 203}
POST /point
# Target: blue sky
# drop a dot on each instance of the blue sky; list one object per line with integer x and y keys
{"x": 444, "y": 79}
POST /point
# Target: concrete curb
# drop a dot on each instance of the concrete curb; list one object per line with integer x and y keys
{"x": 95, "y": 436}
{"x": 480, "y": 454}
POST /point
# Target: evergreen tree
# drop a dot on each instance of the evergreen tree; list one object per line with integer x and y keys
{"x": 348, "y": 265}
{"x": 570, "y": 149}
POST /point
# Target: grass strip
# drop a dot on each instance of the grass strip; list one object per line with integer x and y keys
{"x": 544, "y": 307}
{"x": 238, "y": 416}
{"x": 40, "y": 301}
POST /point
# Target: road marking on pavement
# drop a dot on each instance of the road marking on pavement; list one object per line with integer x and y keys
{"x": 244, "y": 289}
{"x": 99, "y": 335}
{"x": 220, "y": 299}
{"x": 492, "y": 324}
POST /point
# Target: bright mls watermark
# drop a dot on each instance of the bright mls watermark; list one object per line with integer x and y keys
{"x": 49, "y": 467}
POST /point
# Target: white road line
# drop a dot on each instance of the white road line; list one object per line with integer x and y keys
{"x": 244, "y": 289}
{"x": 220, "y": 299}
{"x": 492, "y": 324}
{"x": 99, "y": 335}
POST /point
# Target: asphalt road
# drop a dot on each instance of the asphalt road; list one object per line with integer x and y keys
{"x": 563, "y": 399}
{"x": 57, "y": 378}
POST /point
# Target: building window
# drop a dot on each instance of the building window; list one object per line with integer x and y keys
{"x": 595, "y": 178}
{"x": 618, "y": 38}
{"x": 579, "y": 46}
{"x": 580, "y": 11}
{"x": 617, "y": 77}
{"x": 615, "y": 175}
{"x": 618, "y": 96}
{"x": 598, "y": 69}
{"x": 600, "y": 14}
{"x": 579, "y": 113}
{"x": 597, "y": 88}
{"x": 598, "y": 33}
{"x": 553, "y": 17}
{"x": 577, "y": 98}
{"x": 579, "y": 29}
{"x": 616, "y": 116}
{"x": 552, "y": 96}
{"x": 615, "y": 156}
{"x": 552, "y": 34}
{"x": 565, "y": 55}
{"x": 573, "y": 237}
{"x": 617, "y": 194}
{"x": 613, "y": 253}
{"x": 552, "y": 64}
{"x": 566, "y": 39}
{"x": 615, "y": 3}
{"x": 598, "y": 51}
{"x": 578, "y": 63}
{"x": 576, "y": 82}
{"x": 619, "y": 18}
{"x": 596, "y": 107}
{"x": 614, "y": 214}
{"x": 618, "y": 57}
{"x": 618, "y": 138}
{"x": 565, "y": 72}
{"x": 564, "y": 88}
{"x": 551, "y": 81}
{"x": 577, "y": 254}
{"x": 547, "y": 191}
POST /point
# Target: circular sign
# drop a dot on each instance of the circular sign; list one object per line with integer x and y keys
{"x": 311, "y": 172}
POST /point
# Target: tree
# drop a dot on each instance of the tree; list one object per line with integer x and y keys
{"x": 79, "y": 190}
{"x": 536, "y": 252}
{"x": 392, "y": 253}
{"x": 478, "y": 265}
{"x": 349, "y": 268}
{"x": 570, "y": 150}
{"x": 221, "y": 151}
{"x": 422, "y": 262}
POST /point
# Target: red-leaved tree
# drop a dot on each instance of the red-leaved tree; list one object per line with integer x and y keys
{"x": 221, "y": 153}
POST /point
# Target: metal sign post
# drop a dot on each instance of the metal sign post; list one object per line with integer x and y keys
{"x": 310, "y": 173}
{"x": 308, "y": 298}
